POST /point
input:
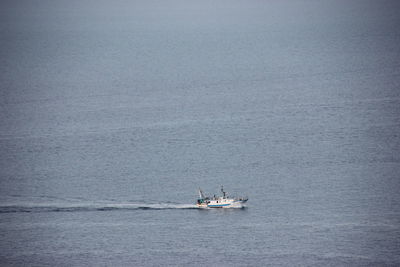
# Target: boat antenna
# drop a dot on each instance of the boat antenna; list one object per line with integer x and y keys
{"x": 222, "y": 190}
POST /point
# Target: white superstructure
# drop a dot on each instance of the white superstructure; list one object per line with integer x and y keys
{"x": 220, "y": 202}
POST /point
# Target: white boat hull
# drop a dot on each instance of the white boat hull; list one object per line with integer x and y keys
{"x": 227, "y": 204}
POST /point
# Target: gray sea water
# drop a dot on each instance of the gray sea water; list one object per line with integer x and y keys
{"x": 113, "y": 113}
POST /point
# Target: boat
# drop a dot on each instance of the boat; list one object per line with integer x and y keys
{"x": 223, "y": 201}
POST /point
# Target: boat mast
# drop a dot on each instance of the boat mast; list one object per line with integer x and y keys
{"x": 222, "y": 190}
{"x": 201, "y": 194}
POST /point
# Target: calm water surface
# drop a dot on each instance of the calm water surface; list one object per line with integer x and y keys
{"x": 113, "y": 113}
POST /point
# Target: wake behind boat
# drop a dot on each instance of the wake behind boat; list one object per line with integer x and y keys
{"x": 220, "y": 202}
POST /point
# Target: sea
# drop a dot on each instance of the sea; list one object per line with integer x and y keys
{"x": 114, "y": 113}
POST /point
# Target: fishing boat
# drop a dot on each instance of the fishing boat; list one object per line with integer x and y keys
{"x": 223, "y": 201}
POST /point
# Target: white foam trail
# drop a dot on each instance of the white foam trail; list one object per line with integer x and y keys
{"x": 88, "y": 206}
